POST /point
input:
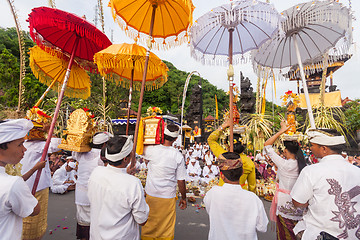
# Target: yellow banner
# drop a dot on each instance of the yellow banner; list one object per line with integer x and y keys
{"x": 332, "y": 99}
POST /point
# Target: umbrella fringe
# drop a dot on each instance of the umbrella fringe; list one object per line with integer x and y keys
{"x": 83, "y": 93}
{"x": 125, "y": 82}
{"x": 46, "y": 79}
{"x": 218, "y": 60}
{"x": 107, "y": 63}
{"x": 158, "y": 43}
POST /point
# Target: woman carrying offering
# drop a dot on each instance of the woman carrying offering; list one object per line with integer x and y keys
{"x": 282, "y": 210}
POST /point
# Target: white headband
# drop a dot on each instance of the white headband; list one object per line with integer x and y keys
{"x": 323, "y": 138}
{"x": 11, "y": 130}
{"x": 101, "y": 138}
{"x": 72, "y": 164}
{"x": 171, "y": 134}
{"x": 125, "y": 151}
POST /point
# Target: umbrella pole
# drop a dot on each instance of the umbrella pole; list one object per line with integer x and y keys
{"x": 53, "y": 122}
{"x": 45, "y": 93}
{"x": 143, "y": 85}
{"x": 129, "y": 104}
{"x": 307, "y": 98}
{"x": 230, "y": 77}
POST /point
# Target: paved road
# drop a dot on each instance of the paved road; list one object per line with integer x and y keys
{"x": 190, "y": 224}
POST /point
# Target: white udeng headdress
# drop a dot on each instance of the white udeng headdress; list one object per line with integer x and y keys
{"x": 323, "y": 138}
{"x": 171, "y": 134}
{"x": 11, "y": 130}
{"x": 124, "y": 152}
{"x": 102, "y": 137}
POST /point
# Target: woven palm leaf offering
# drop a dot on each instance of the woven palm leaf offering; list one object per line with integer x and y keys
{"x": 291, "y": 101}
{"x": 40, "y": 120}
{"x": 80, "y": 129}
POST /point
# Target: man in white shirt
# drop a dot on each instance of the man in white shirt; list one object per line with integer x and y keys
{"x": 88, "y": 161}
{"x": 193, "y": 171}
{"x": 234, "y": 213}
{"x": 209, "y": 172}
{"x": 330, "y": 190}
{"x": 35, "y": 227}
{"x": 63, "y": 179}
{"x": 16, "y": 200}
{"x": 117, "y": 202}
{"x": 166, "y": 169}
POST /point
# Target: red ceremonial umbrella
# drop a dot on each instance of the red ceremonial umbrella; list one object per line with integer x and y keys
{"x": 70, "y": 34}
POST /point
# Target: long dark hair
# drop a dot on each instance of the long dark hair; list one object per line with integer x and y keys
{"x": 294, "y": 148}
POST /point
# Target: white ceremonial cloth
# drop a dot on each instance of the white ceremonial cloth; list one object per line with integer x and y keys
{"x": 16, "y": 202}
{"x": 33, "y": 156}
{"x": 197, "y": 153}
{"x": 88, "y": 161}
{"x": 234, "y": 213}
{"x": 193, "y": 169}
{"x": 209, "y": 157}
{"x": 117, "y": 206}
{"x": 212, "y": 174}
{"x": 60, "y": 176}
{"x": 287, "y": 174}
{"x": 333, "y": 213}
{"x": 166, "y": 166}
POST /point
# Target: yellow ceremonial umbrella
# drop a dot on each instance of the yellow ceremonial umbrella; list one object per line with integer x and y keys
{"x": 166, "y": 21}
{"x": 124, "y": 63}
{"x": 161, "y": 22}
{"x": 50, "y": 66}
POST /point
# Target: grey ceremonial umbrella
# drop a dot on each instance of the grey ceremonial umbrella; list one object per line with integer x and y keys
{"x": 223, "y": 35}
{"x": 309, "y": 30}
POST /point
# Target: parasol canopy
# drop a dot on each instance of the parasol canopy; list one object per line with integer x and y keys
{"x": 50, "y": 68}
{"x": 251, "y": 22}
{"x": 317, "y": 27}
{"x": 309, "y": 30}
{"x": 59, "y": 29}
{"x": 173, "y": 18}
{"x": 124, "y": 63}
{"x": 228, "y": 32}
{"x": 118, "y": 60}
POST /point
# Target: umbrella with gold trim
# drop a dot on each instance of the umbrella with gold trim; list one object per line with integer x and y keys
{"x": 124, "y": 64}
{"x": 50, "y": 66}
{"x": 160, "y": 22}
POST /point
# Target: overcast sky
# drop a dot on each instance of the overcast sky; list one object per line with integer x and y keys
{"x": 347, "y": 78}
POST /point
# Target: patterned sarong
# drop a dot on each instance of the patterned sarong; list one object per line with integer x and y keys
{"x": 35, "y": 227}
{"x": 284, "y": 228}
{"x": 161, "y": 221}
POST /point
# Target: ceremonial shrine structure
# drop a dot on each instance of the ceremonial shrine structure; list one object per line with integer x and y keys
{"x": 247, "y": 98}
{"x": 80, "y": 129}
{"x": 195, "y": 112}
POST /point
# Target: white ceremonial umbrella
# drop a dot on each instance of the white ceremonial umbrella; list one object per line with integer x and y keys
{"x": 309, "y": 30}
{"x": 223, "y": 35}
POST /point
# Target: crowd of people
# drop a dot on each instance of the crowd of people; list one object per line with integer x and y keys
{"x": 317, "y": 188}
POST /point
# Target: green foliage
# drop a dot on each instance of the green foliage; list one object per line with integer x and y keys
{"x": 352, "y": 113}
{"x": 10, "y": 71}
